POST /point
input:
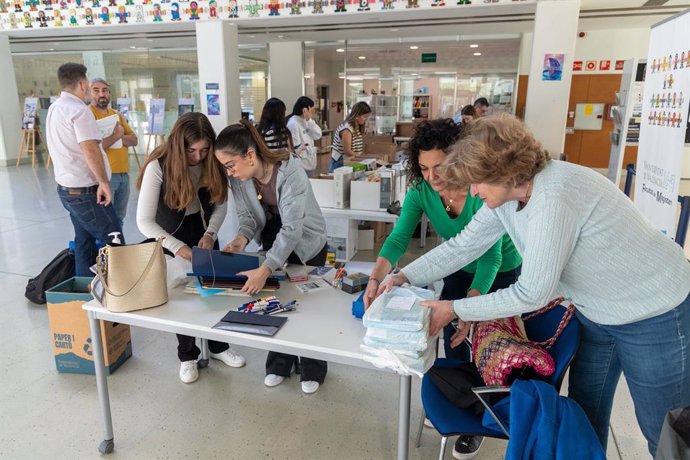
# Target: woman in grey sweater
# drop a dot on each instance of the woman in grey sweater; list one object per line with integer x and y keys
{"x": 580, "y": 237}
{"x": 277, "y": 208}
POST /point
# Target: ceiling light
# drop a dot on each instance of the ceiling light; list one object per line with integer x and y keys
{"x": 132, "y": 47}
{"x": 474, "y": 45}
{"x": 340, "y": 50}
{"x": 414, "y": 47}
{"x": 361, "y": 57}
{"x": 281, "y": 36}
{"x": 251, "y": 36}
{"x": 394, "y": 30}
{"x": 51, "y": 49}
{"x": 477, "y": 54}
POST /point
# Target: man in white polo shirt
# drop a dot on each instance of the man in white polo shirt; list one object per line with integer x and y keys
{"x": 81, "y": 168}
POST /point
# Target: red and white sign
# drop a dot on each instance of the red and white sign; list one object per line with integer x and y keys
{"x": 620, "y": 65}
{"x": 591, "y": 65}
{"x": 577, "y": 66}
{"x": 604, "y": 65}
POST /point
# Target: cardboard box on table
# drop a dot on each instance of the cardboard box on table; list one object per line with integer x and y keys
{"x": 374, "y": 195}
{"x": 333, "y": 191}
{"x": 341, "y": 236}
{"x": 71, "y": 335}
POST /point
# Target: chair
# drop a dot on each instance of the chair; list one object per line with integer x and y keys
{"x": 450, "y": 420}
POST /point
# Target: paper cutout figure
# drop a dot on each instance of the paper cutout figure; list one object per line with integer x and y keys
{"x": 26, "y": 19}
{"x": 122, "y": 15}
{"x": 174, "y": 11}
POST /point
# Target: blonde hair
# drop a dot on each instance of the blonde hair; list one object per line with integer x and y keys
{"x": 499, "y": 150}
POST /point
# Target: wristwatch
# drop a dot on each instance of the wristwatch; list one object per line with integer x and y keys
{"x": 211, "y": 234}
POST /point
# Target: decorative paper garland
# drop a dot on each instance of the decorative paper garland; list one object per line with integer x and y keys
{"x": 27, "y": 14}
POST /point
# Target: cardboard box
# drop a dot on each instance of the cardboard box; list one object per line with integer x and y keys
{"x": 355, "y": 282}
{"x": 365, "y": 239}
{"x": 333, "y": 191}
{"x": 380, "y": 231}
{"x": 382, "y": 152}
{"x": 374, "y": 195}
{"x": 341, "y": 236}
{"x": 71, "y": 335}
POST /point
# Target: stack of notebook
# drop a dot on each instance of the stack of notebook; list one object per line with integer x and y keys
{"x": 218, "y": 271}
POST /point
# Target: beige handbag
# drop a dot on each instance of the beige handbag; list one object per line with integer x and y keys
{"x": 133, "y": 276}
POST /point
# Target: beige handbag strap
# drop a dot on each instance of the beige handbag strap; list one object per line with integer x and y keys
{"x": 101, "y": 276}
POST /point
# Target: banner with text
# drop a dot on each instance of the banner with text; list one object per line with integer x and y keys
{"x": 662, "y": 131}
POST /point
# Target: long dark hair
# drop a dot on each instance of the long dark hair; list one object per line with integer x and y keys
{"x": 237, "y": 139}
{"x": 179, "y": 192}
{"x": 440, "y": 134}
{"x": 303, "y": 102}
{"x": 273, "y": 118}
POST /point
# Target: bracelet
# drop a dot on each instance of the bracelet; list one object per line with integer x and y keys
{"x": 374, "y": 279}
{"x": 211, "y": 234}
{"x": 452, "y": 310}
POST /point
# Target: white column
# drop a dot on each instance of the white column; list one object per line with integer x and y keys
{"x": 219, "y": 67}
{"x": 285, "y": 71}
{"x": 10, "y": 111}
{"x": 555, "y": 31}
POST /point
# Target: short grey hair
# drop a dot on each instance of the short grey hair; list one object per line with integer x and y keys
{"x": 99, "y": 80}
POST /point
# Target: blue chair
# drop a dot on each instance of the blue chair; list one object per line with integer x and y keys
{"x": 450, "y": 420}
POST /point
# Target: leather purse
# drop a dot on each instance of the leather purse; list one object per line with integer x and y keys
{"x": 133, "y": 276}
{"x": 502, "y": 352}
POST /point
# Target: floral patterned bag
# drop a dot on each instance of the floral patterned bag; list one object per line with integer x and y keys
{"x": 501, "y": 349}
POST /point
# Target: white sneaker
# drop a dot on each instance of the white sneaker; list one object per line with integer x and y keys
{"x": 230, "y": 357}
{"x": 188, "y": 371}
{"x": 273, "y": 380}
{"x": 310, "y": 386}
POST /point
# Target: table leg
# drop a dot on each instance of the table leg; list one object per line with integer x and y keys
{"x": 108, "y": 443}
{"x": 203, "y": 362}
{"x": 404, "y": 416}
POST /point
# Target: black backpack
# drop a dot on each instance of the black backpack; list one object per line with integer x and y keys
{"x": 59, "y": 269}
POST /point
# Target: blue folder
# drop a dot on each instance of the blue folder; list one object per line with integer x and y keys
{"x": 213, "y": 263}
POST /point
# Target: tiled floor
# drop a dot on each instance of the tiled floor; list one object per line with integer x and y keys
{"x": 227, "y": 414}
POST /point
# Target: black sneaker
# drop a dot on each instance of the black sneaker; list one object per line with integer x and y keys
{"x": 466, "y": 447}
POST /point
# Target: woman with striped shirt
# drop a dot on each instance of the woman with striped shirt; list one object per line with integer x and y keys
{"x": 273, "y": 126}
{"x": 348, "y": 138}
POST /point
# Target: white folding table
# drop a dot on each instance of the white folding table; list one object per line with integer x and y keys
{"x": 322, "y": 328}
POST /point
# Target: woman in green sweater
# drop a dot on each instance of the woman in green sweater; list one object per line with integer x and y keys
{"x": 449, "y": 210}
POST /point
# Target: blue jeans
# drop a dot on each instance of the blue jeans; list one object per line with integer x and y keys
{"x": 119, "y": 184}
{"x": 91, "y": 222}
{"x": 335, "y": 164}
{"x": 654, "y": 356}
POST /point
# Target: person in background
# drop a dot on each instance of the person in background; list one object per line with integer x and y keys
{"x": 348, "y": 138}
{"x": 183, "y": 199}
{"x": 273, "y": 127}
{"x": 449, "y": 210}
{"x": 581, "y": 237}
{"x": 117, "y": 156}
{"x": 81, "y": 168}
{"x": 481, "y": 105}
{"x": 304, "y": 131}
{"x": 468, "y": 114}
{"x": 277, "y": 208}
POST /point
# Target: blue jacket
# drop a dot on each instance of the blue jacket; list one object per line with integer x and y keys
{"x": 546, "y": 426}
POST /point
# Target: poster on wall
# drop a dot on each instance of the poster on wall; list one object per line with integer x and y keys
{"x": 156, "y": 116}
{"x": 212, "y": 99}
{"x": 30, "y": 112}
{"x": 664, "y": 121}
{"x": 553, "y": 67}
{"x": 185, "y": 105}
{"x": 123, "y": 106}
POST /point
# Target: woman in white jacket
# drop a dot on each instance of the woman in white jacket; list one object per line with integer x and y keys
{"x": 304, "y": 131}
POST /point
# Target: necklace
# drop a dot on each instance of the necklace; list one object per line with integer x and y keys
{"x": 450, "y": 202}
{"x": 258, "y": 183}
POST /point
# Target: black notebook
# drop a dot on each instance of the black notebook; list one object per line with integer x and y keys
{"x": 251, "y": 323}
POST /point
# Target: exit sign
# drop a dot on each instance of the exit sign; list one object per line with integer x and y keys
{"x": 428, "y": 57}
